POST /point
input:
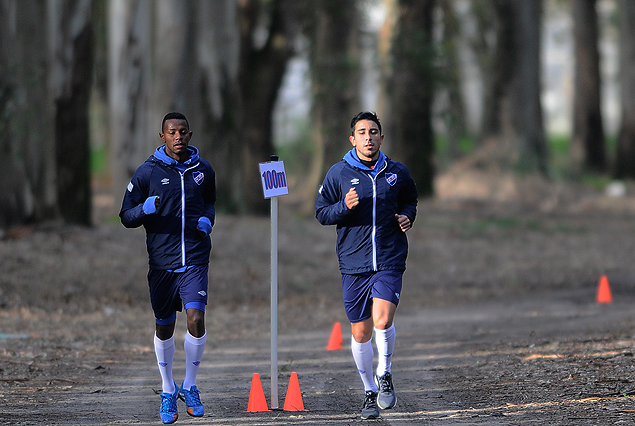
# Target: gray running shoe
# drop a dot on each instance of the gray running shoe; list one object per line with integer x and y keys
{"x": 369, "y": 409}
{"x": 386, "y": 398}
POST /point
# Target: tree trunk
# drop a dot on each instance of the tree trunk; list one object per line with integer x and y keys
{"x": 28, "y": 171}
{"x": 334, "y": 65}
{"x": 132, "y": 135}
{"x": 73, "y": 67}
{"x": 588, "y": 132}
{"x": 496, "y": 58}
{"x": 412, "y": 92}
{"x": 260, "y": 76}
{"x": 453, "y": 113}
{"x": 208, "y": 92}
{"x": 625, "y": 159}
{"x": 521, "y": 113}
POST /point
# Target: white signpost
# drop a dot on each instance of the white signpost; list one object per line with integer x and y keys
{"x": 274, "y": 184}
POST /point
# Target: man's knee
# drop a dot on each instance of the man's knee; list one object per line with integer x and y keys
{"x": 383, "y": 323}
{"x": 196, "y": 322}
{"x": 362, "y": 331}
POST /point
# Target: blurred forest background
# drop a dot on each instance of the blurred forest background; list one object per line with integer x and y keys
{"x": 541, "y": 88}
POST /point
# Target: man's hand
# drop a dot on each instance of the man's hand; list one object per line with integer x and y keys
{"x": 403, "y": 221}
{"x": 351, "y": 199}
{"x": 157, "y": 202}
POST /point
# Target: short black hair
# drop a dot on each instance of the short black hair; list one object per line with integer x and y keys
{"x": 173, "y": 116}
{"x": 365, "y": 115}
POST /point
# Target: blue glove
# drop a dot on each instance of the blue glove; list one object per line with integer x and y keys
{"x": 150, "y": 206}
{"x": 204, "y": 225}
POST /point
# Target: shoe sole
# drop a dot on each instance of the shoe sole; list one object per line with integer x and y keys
{"x": 194, "y": 415}
{"x": 371, "y": 416}
{"x": 169, "y": 423}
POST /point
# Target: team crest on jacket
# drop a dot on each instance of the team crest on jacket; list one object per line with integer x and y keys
{"x": 391, "y": 178}
{"x": 198, "y": 177}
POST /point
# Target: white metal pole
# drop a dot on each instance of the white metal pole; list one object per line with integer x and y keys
{"x": 274, "y": 303}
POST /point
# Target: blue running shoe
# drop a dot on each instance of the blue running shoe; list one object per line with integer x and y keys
{"x": 192, "y": 401}
{"x": 169, "y": 411}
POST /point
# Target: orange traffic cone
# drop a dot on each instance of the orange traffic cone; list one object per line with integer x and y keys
{"x": 604, "y": 291}
{"x": 335, "y": 342}
{"x": 293, "y": 400}
{"x": 257, "y": 401}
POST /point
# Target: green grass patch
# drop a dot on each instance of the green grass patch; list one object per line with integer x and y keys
{"x": 98, "y": 159}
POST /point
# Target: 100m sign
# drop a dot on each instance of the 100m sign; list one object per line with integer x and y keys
{"x": 274, "y": 179}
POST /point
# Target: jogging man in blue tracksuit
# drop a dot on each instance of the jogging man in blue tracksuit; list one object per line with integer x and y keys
{"x": 373, "y": 201}
{"x": 172, "y": 195}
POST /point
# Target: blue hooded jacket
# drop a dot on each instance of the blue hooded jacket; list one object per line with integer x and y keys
{"x": 187, "y": 193}
{"x": 369, "y": 238}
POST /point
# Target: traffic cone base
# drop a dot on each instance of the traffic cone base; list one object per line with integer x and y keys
{"x": 257, "y": 401}
{"x": 335, "y": 342}
{"x": 604, "y": 291}
{"x": 293, "y": 400}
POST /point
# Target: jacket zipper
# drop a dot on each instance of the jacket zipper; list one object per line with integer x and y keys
{"x": 183, "y": 212}
{"x": 373, "y": 233}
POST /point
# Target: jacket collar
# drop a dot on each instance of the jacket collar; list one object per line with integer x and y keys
{"x": 160, "y": 155}
{"x": 351, "y": 158}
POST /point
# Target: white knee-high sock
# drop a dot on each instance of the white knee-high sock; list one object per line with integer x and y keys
{"x": 164, "y": 350}
{"x": 385, "y": 341}
{"x": 194, "y": 347}
{"x": 363, "y": 356}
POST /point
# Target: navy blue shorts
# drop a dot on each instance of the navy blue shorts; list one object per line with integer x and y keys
{"x": 170, "y": 290}
{"x": 360, "y": 289}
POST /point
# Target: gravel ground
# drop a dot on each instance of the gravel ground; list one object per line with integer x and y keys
{"x": 498, "y": 323}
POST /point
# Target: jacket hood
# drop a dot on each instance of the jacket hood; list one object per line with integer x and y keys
{"x": 351, "y": 158}
{"x": 160, "y": 155}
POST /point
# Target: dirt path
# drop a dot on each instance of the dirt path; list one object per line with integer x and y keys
{"x": 499, "y": 324}
{"x": 557, "y": 358}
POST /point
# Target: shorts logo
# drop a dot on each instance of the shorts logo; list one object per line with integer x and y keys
{"x": 165, "y": 181}
{"x": 130, "y": 186}
{"x": 391, "y": 178}
{"x": 397, "y": 294}
{"x": 202, "y": 293}
{"x": 198, "y": 177}
{"x": 355, "y": 181}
